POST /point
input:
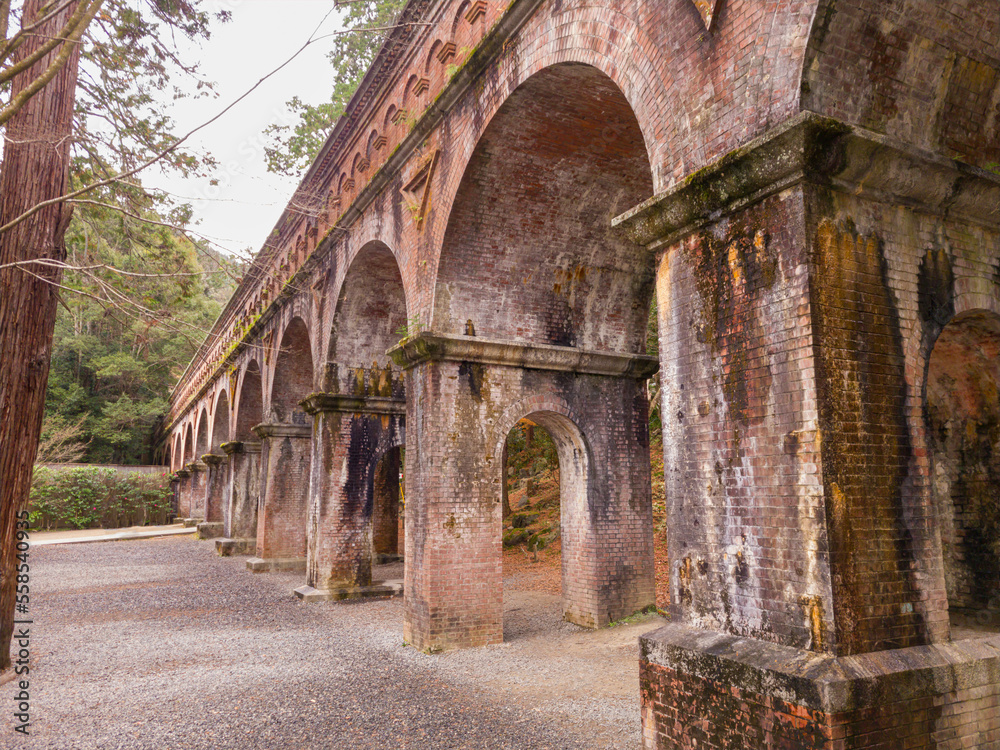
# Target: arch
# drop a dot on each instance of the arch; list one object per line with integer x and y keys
{"x": 456, "y": 22}
{"x": 885, "y": 68}
{"x": 374, "y": 139}
{"x": 292, "y": 379}
{"x": 390, "y": 115}
{"x": 220, "y": 421}
{"x": 371, "y": 309}
{"x": 250, "y": 409}
{"x": 189, "y": 443}
{"x": 962, "y": 422}
{"x": 202, "y": 445}
{"x": 438, "y": 44}
{"x": 528, "y": 247}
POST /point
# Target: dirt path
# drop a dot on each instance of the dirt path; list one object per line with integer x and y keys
{"x": 161, "y": 644}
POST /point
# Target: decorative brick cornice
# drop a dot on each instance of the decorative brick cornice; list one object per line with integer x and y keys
{"x": 425, "y": 347}
{"x": 282, "y": 430}
{"x": 819, "y": 150}
{"x": 319, "y": 402}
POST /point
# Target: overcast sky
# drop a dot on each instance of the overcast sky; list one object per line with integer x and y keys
{"x": 239, "y": 212}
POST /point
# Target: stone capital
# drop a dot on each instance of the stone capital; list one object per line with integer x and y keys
{"x": 241, "y": 446}
{"x": 428, "y": 346}
{"x": 182, "y": 473}
{"x": 213, "y": 459}
{"x": 196, "y": 466}
{"x": 282, "y": 430}
{"x": 809, "y": 148}
{"x": 342, "y": 402}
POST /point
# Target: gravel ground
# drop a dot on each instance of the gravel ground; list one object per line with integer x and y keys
{"x": 161, "y": 644}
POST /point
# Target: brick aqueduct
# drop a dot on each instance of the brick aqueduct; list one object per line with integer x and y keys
{"x": 808, "y": 191}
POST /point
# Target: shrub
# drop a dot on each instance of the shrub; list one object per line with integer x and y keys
{"x": 83, "y": 498}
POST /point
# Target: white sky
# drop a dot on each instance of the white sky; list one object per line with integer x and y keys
{"x": 241, "y": 210}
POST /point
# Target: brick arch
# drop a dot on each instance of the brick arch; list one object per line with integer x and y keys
{"x": 924, "y": 73}
{"x": 371, "y": 307}
{"x": 188, "y": 443}
{"x": 292, "y": 377}
{"x": 961, "y": 413}
{"x": 456, "y": 22}
{"x": 250, "y": 401}
{"x": 202, "y": 445}
{"x": 517, "y": 411}
{"x": 220, "y": 421}
{"x": 390, "y": 114}
{"x": 429, "y": 61}
{"x": 529, "y": 253}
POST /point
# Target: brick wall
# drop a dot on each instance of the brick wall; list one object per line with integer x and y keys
{"x": 281, "y": 519}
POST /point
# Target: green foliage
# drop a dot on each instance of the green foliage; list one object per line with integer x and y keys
{"x": 294, "y": 147}
{"x": 535, "y": 454}
{"x": 114, "y": 359}
{"x": 84, "y": 498}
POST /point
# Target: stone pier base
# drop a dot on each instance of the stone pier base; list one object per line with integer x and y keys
{"x": 260, "y": 565}
{"x": 711, "y": 690}
{"x": 392, "y": 587}
{"x": 227, "y": 547}
{"x": 189, "y": 522}
{"x": 210, "y": 529}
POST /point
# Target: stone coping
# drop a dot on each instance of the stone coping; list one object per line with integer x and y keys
{"x": 273, "y": 564}
{"x": 240, "y": 446}
{"x": 342, "y": 402}
{"x": 821, "y": 681}
{"x": 282, "y": 429}
{"x": 810, "y": 147}
{"x": 391, "y": 587}
{"x": 426, "y": 346}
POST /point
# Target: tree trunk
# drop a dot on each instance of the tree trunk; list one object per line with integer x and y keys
{"x": 35, "y": 168}
{"x": 505, "y": 499}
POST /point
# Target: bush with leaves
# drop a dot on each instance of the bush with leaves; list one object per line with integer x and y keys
{"x": 90, "y": 497}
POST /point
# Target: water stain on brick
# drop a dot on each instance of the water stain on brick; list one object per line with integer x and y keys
{"x": 862, "y": 396}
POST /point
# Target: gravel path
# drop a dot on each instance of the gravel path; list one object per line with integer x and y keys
{"x": 161, "y": 644}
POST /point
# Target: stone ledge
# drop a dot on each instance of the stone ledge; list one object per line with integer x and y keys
{"x": 393, "y": 587}
{"x": 426, "y": 346}
{"x": 282, "y": 430}
{"x": 823, "y": 682}
{"x": 339, "y": 402}
{"x": 228, "y": 547}
{"x": 188, "y": 522}
{"x": 213, "y": 459}
{"x": 274, "y": 564}
{"x": 813, "y": 148}
{"x": 210, "y": 529}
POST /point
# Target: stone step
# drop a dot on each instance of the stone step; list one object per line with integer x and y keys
{"x": 192, "y": 521}
{"x": 210, "y": 529}
{"x": 227, "y": 547}
{"x": 260, "y": 565}
{"x": 393, "y": 587}
{"x": 387, "y": 558}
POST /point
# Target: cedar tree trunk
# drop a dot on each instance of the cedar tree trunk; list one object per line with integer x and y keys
{"x": 35, "y": 168}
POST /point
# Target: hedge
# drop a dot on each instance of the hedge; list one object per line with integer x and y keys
{"x": 85, "y": 498}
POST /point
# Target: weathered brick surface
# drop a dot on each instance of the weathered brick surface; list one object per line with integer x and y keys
{"x": 453, "y": 586}
{"x": 281, "y": 518}
{"x": 244, "y": 490}
{"x": 385, "y": 504}
{"x": 822, "y": 495}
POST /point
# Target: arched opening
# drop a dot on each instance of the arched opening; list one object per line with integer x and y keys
{"x": 201, "y": 446}
{"x": 189, "y": 445}
{"x": 544, "y": 486}
{"x": 963, "y": 428}
{"x": 220, "y": 423}
{"x": 529, "y": 253}
{"x": 371, "y": 310}
{"x": 250, "y": 411}
{"x": 293, "y": 374}
{"x": 387, "y": 497}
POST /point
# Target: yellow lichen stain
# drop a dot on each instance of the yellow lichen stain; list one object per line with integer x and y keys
{"x": 450, "y": 525}
{"x": 812, "y": 606}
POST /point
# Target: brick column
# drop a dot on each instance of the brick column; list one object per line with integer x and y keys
{"x": 282, "y": 514}
{"x": 183, "y": 493}
{"x": 806, "y": 560}
{"x": 197, "y": 489}
{"x": 240, "y": 516}
{"x": 216, "y": 492}
{"x": 464, "y": 394}
{"x": 350, "y": 434}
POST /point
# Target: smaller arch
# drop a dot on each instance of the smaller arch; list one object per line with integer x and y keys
{"x": 250, "y": 400}
{"x": 220, "y": 421}
{"x": 411, "y": 83}
{"x": 435, "y": 48}
{"x": 202, "y": 444}
{"x": 457, "y": 20}
{"x": 292, "y": 378}
{"x": 189, "y": 442}
{"x": 390, "y": 117}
